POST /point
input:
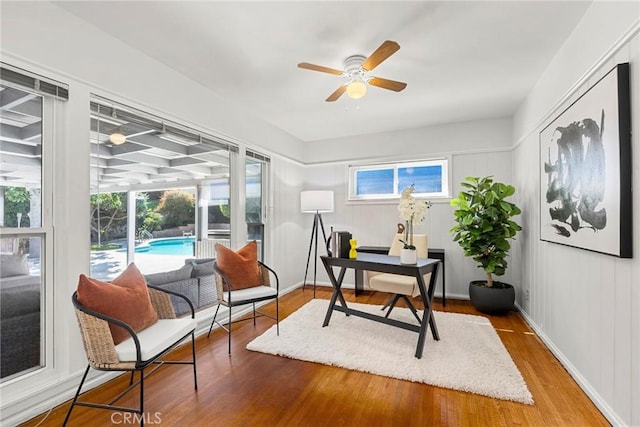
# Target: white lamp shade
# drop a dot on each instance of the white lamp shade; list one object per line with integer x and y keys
{"x": 319, "y": 201}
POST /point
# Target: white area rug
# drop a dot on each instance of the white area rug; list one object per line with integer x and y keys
{"x": 469, "y": 356}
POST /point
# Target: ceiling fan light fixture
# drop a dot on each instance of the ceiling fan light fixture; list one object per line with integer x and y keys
{"x": 357, "y": 69}
{"x": 117, "y": 138}
{"x": 356, "y": 89}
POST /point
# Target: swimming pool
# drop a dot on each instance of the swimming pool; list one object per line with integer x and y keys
{"x": 182, "y": 246}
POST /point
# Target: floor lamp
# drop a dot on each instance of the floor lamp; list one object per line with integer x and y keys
{"x": 317, "y": 203}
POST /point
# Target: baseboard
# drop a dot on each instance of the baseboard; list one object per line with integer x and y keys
{"x": 41, "y": 401}
{"x": 600, "y": 403}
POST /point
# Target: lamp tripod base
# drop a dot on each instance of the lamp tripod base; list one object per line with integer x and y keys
{"x": 313, "y": 244}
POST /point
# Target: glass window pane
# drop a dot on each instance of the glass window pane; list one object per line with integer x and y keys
{"x": 375, "y": 181}
{"x": 21, "y": 311}
{"x": 253, "y": 191}
{"x": 380, "y": 182}
{"x": 164, "y": 231}
{"x": 426, "y": 179}
{"x": 108, "y": 234}
{"x": 253, "y": 203}
{"x": 21, "y": 172}
{"x": 219, "y": 210}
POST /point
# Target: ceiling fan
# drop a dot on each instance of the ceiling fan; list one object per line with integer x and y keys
{"x": 356, "y": 69}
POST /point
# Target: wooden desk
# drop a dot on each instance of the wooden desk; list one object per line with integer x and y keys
{"x": 384, "y": 250}
{"x": 386, "y": 264}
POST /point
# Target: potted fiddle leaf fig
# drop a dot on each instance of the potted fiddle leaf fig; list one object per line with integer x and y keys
{"x": 483, "y": 230}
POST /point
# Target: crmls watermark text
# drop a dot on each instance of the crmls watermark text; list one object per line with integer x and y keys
{"x": 131, "y": 418}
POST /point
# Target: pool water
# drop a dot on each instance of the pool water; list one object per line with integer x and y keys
{"x": 180, "y": 246}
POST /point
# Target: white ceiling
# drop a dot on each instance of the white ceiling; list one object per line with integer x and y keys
{"x": 461, "y": 60}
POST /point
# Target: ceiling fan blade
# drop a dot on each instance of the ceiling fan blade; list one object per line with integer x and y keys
{"x": 385, "y": 50}
{"x": 387, "y": 84}
{"x": 313, "y": 67}
{"x": 336, "y": 94}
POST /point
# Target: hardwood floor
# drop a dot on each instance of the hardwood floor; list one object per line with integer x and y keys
{"x": 252, "y": 388}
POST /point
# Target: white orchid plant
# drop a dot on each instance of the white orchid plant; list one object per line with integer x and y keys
{"x": 411, "y": 211}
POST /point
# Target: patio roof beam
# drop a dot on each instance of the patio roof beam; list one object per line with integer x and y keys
{"x": 115, "y": 171}
{"x": 185, "y": 161}
{"x": 203, "y": 148}
{"x": 193, "y": 169}
{"x": 19, "y": 161}
{"x": 119, "y": 162}
{"x": 134, "y": 167}
{"x": 129, "y": 147}
{"x": 32, "y": 132}
{"x": 31, "y": 108}
{"x": 146, "y": 159}
{"x": 13, "y": 97}
{"x": 10, "y": 133}
{"x": 170, "y": 171}
{"x": 18, "y": 149}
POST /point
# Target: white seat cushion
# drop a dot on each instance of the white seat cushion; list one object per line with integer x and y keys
{"x": 250, "y": 293}
{"x": 397, "y": 284}
{"x": 156, "y": 338}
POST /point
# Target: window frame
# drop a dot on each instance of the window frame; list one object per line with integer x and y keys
{"x": 445, "y": 176}
{"x": 52, "y": 118}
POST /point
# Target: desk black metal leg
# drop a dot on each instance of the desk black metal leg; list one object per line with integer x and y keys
{"x": 434, "y": 328}
{"x": 444, "y": 295}
{"x": 332, "y": 303}
{"x": 359, "y": 276}
{"x": 337, "y": 293}
{"x": 431, "y": 292}
{"x": 338, "y": 287}
{"x": 427, "y": 318}
{"x": 421, "y": 334}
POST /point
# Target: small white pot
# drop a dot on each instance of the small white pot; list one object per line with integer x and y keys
{"x": 408, "y": 256}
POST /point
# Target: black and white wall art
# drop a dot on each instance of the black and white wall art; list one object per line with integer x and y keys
{"x": 585, "y": 170}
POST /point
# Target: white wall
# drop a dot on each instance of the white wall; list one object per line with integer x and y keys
{"x": 476, "y": 148}
{"x": 285, "y": 221}
{"x": 408, "y": 143}
{"x": 586, "y": 306}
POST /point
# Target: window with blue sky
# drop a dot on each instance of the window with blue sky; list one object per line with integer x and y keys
{"x": 386, "y": 181}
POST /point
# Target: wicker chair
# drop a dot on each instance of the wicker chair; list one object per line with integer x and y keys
{"x": 229, "y": 297}
{"x": 143, "y": 349}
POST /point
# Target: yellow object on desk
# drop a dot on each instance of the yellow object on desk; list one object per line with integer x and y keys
{"x": 352, "y": 252}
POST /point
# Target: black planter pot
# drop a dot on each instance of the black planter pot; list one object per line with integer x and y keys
{"x": 495, "y": 300}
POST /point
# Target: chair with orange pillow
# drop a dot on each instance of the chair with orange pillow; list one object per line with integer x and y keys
{"x": 128, "y": 326}
{"x": 241, "y": 280}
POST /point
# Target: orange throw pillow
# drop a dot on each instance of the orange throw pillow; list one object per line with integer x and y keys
{"x": 241, "y": 266}
{"x": 126, "y": 298}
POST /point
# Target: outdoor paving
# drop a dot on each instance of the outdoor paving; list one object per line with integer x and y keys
{"x": 106, "y": 265}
